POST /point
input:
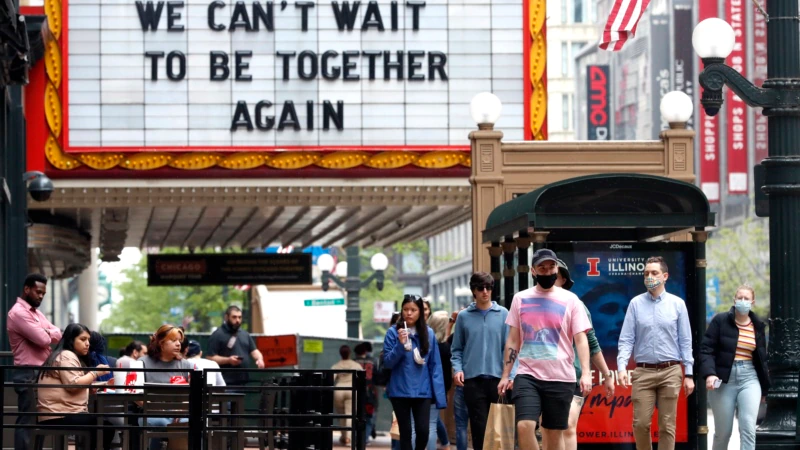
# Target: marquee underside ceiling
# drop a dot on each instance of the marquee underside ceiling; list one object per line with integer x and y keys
{"x": 196, "y": 216}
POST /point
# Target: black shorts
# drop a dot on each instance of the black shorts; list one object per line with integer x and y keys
{"x": 578, "y": 392}
{"x": 549, "y": 399}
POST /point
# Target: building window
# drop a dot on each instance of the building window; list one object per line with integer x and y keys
{"x": 565, "y": 112}
{"x": 564, "y": 59}
{"x": 564, "y": 12}
{"x": 412, "y": 263}
{"x": 577, "y": 11}
{"x": 576, "y": 49}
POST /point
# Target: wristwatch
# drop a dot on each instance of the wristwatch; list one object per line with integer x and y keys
{"x": 608, "y": 375}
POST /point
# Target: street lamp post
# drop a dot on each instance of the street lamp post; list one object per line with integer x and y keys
{"x": 713, "y": 40}
{"x": 352, "y": 283}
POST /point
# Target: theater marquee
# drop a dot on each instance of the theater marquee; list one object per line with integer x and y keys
{"x": 259, "y": 75}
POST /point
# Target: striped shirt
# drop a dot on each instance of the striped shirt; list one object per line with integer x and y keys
{"x": 747, "y": 342}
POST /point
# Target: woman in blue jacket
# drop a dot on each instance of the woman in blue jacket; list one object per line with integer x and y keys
{"x": 417, "y": 378}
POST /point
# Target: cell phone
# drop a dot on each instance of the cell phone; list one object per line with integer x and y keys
{"x": 717, "y": 383}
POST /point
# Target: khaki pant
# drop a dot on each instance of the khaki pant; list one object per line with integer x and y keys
{"x": 343, "y": 402}
{"x": 649, "y": 386}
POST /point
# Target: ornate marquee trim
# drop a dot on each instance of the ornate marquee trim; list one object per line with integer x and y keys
{"x": 537, "y": 75}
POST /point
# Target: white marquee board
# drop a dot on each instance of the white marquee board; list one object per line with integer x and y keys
{"x": 114, "y": 102}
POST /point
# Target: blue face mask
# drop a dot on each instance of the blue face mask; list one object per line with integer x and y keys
{"x": 742, "y": 306}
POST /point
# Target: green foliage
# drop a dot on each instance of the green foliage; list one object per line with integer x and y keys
{"x": 740, "y": 255}
{"x": 446, "y": 258}
{"x": 144, "y": 309}
{"x": 403, "y": 248}
{"x": 392, "y": 290}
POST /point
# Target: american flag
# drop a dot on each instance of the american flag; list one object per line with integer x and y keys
{"x": 622, "y": 22}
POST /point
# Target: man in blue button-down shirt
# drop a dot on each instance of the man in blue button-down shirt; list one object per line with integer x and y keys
{"x": 656, "y": 330}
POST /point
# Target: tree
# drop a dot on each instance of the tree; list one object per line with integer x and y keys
{"x": 145, "y": 308}
{"x": 392, "y": 290}
{"x": 740, "y": 255}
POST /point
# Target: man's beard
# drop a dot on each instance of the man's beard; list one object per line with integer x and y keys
{"x": 33, "y": 301}
{"x": 233, "y": 327}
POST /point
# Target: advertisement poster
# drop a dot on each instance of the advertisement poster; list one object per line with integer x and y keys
{"x": 607, "y": 276}
{"x": 683, "y": 63}
{"x": 708, "y": 128}
{"x": 660, "y": 67}
{"x": 758, "y": 77}
{"x": 735, "y": 106}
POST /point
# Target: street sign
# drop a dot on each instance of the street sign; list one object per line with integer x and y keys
{"x": 278, "y": 351}
{"x": 228, "y": 269}
{"x": 324, "y": 302}
{"x": 312, "y": 346}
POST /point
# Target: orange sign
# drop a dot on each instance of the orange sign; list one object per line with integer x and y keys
{"x": 611, "y": 420}
{"x": 278, "y": 351}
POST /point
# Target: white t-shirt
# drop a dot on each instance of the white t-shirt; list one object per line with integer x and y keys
{"x": 214, "y": 378}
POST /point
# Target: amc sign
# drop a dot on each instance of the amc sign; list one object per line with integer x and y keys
{"x": 598, "y": 111}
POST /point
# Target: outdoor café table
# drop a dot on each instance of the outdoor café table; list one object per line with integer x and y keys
{"x": 115, "y": 401}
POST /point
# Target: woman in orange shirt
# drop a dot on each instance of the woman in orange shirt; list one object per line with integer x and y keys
{"x": 54, "y": 402}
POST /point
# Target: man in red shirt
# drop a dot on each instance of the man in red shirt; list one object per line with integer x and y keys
{"x": 30, "y": 335}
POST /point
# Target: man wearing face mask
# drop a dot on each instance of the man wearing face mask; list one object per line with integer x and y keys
{"x": 656, "y": 330}
{"x": 545, "y": 321}
{"x": 231, "y": 347}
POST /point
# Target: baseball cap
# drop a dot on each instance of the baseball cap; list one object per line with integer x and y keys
{"x": 542, "y": 255}
{"x": 193, "y": 349}
{"x": 564, "y": 271}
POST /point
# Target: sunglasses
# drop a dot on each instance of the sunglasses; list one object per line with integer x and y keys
{"x": 483, "y": 287}
{"x": 413, "y": 298}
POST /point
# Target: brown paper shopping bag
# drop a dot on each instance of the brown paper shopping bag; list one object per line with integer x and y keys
{"x": 500, "y": 427}
{"x": 394, "y": 432}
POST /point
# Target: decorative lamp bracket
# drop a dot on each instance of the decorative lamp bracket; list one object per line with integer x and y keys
{"x": 777, "y": 97}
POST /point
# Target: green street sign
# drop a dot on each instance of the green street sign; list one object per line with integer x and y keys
{"x": 324, "y": 302}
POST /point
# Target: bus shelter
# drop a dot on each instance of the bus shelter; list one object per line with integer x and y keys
{"x": 604, "y": 227}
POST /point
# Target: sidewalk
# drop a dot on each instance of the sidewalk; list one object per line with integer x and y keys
{"x": 383, "y": 441}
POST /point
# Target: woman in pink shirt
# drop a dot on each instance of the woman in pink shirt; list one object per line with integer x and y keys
{"x": 54, "y": 402}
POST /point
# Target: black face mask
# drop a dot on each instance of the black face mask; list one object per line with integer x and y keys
{"x": 546, "y": 281}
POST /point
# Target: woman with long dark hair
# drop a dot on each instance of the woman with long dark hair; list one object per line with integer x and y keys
{"x": 412, "y": 354}
{"x": 71, "y": 352}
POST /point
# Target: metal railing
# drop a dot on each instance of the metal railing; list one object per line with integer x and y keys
{"x": 280, "y": 409}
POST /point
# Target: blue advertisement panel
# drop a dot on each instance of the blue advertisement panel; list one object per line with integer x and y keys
{"x": 607, "y": 276}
